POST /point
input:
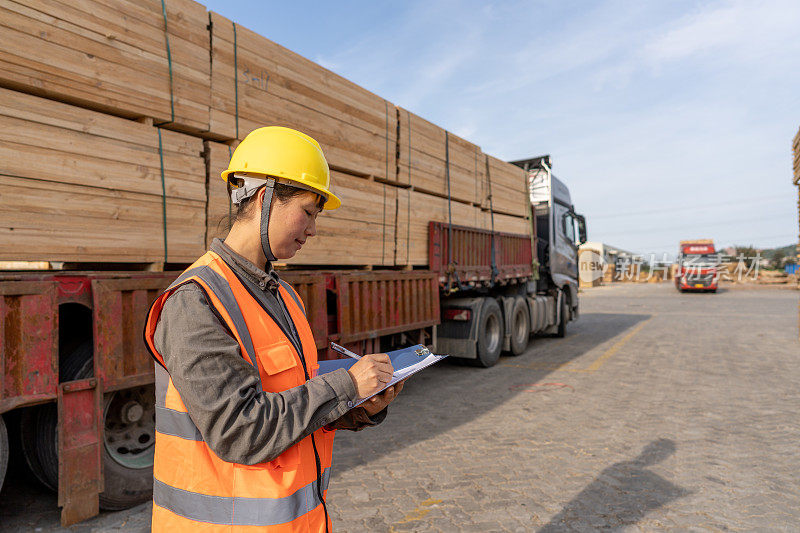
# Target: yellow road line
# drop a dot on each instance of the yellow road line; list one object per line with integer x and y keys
{"x": 591, "y": 368}
{"x": 614, "y": 349}
{"x": 418, "y": 513}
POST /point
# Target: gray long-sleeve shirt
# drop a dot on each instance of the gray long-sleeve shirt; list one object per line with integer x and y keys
{"x": 220, "y": 388}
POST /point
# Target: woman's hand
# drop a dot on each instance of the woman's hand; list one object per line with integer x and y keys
{"x": 371, "y": 373}
{"x": 378, "y": 403}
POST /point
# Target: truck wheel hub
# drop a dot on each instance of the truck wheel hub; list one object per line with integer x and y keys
{"x": 130, "y": 427}
{"x": 132, "y": 412}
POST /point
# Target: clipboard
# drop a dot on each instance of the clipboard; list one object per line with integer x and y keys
{"x": 406, "y": 362}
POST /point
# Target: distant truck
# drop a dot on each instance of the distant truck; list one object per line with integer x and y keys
{"x": 698, "y": 266}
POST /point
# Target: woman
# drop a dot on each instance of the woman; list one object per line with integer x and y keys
{"x": 244, "y": 425}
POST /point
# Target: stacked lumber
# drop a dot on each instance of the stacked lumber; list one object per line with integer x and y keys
{"x": 506, "y": 223}
{"x": 79, "y": 185}
{"x": 796, "y": 158}
{"x": 415, "y": 210}
{"x": 256, "y": 82}
{"x": 360, "y": 232}
{"x": 423, "y": 149}
{"x": 508, "y": 186}
{"x": 75, "y": 73}
{"x": 111, "y": 56}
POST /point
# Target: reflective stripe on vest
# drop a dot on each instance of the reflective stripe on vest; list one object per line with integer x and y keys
{"x": 169, "y": 421}
{"x": 293, "y": 294}
{"x": 192, "y": 486}
{"x": 238, "y": 511}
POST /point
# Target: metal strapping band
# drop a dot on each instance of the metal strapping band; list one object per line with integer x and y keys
{"x": 449, "y": 208}
{"x": 408, "y": 204}
{"x": 383, "y": 233}
{"x": 237, "y": 511}
{"x": 236, "y": 78}
{"x": 222, "y": 290}
{"x": 177, "y": 424}
{"x": 491, "y": 216}
{"x": 294, "y": 296}
{"x": 169, "y": 63}
{"x": 163, "y": 192}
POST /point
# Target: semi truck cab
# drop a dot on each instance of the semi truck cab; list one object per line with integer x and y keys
{"x": 698, "y": 266}
{"x": 499, "y": 313}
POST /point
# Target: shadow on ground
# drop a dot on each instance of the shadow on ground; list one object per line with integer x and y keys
{"x": 621, "y": 495}
{"x": 446, "y": 396}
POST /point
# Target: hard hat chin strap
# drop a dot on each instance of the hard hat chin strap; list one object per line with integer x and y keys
{"x": 247, "y": 188}
{"x": 269, "y": 189}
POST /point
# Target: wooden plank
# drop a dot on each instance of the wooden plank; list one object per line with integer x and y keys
{"x": 49, "y": 221}
{"x": 508, "y": 188}
{"x": 274, "y": 86}
{"x": 506, "y": 223}
{"x": 46, "y": 140}
{"x": 102, "y": 55}
{"x": 423, "y": 156}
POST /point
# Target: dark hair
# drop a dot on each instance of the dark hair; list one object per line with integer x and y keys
{"x": 283, "y": 193}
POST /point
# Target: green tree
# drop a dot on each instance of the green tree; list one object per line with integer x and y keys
{"x": 748, "y": 254}
{"x": 778, "y": 259}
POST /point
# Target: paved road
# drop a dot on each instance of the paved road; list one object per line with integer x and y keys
{"x": 659, "y": 411}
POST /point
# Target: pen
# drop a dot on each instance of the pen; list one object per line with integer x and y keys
{"x": 344, "y": 351}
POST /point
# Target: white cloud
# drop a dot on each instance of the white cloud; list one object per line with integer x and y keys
{"x": 734, "y": 30}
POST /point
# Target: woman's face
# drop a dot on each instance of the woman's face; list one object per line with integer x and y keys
{"x": 291, "y": 223}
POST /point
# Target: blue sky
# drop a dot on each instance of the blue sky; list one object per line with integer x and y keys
{"x": 668, "y": 120}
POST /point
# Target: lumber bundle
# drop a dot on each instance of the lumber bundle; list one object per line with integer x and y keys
{"x": 256, "y": 82}
{"x": 424, "y": 150}
{"x": 506, "y": 223}
{"x": 111, "y": 56}
{"x": 79, "y": 185}
{"x": 75, "y": 72}
{"x": 415, "y": 210}
{"x": 360, "y": 232}
{"x": 508, "y": 185}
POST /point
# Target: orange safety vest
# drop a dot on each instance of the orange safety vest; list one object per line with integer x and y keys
{"x": 195, "y": 490}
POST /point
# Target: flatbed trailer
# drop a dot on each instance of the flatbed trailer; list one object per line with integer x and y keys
{"x": 75, "y": 367}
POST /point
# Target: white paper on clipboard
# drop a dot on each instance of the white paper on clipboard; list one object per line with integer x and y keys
{"x": 406, "y": 362}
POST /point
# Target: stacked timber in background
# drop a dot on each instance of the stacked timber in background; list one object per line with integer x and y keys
{"x": 424, "y": 151}
{"x": 78, "y": 185}
{"x": 111, "y": 56}
{"x": 357, "y": 129}
{"x": 427, "y": 156}
{"x": 98, "y": 93}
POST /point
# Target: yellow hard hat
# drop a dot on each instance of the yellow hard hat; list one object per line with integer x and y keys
{"x": 288, "y": 155}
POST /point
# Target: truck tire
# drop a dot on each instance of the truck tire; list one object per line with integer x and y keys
{"x": 563, "y": 319}
{"x": 521, "y": 326}
{"x": 490, "y": 333}
{"x": 128, "y": 471}
{"x": 3, "y": 451}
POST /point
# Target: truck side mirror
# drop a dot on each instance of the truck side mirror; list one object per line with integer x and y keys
{"x": 581, "y": 228}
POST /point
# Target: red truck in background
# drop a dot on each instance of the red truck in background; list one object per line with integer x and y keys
{"x": 698, "y": 266}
